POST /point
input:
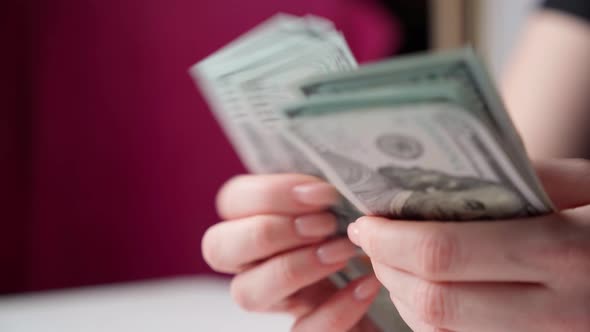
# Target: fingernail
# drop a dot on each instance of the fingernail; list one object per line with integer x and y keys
{"x": 367, "y": 289}
{"x": 337, "y": 251}
{"x": 314, "y": 225}
{"x": 354, "y": 233}
{"x": 316, "y": 193}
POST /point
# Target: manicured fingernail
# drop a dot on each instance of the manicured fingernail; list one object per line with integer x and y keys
{"x": 367, "y": 289}
{"x": 353, "y": 233}
{"x": 316, "y": 193}
{"x": 313, "y": 225}
{"x": 337, "y": 251}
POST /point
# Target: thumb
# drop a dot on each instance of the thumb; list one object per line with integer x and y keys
{"x": 566, "y": 181}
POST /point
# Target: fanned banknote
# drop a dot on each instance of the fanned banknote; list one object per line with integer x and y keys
{"x": 475, "y": 92}
{"x": 413, "y": 154}
{"x": 421, "y": 137}
{"x": 247, "y": 82}
{"x": 250, "y": 80}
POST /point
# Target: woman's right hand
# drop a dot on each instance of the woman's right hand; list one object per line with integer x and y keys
{"x": 276, "y": 239}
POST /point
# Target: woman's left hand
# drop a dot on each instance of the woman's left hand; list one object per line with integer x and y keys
{"x": 522, "y": 275}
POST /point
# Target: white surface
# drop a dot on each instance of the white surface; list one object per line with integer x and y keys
{"x": 196, "y": 305}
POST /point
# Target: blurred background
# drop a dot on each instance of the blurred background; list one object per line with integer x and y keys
{"x": 110, "y": 159}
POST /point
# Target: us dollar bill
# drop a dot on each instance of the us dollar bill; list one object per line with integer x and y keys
{"x": 248, "y": 82}
{"x": 413, "y": 154}
{"x": 475, "y": 92}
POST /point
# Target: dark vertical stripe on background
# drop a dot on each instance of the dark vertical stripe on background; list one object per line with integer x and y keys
{"x": 414, "y": 17}
{"x": 15, "y": 143}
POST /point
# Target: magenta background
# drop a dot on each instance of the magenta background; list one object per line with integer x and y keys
{"x": 116, "y": 158}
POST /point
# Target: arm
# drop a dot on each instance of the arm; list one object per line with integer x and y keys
{"x": 546, "y": 85}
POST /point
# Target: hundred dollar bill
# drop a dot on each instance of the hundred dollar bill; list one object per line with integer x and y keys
{"x": 245, "y": 92}
{"x": 271, "y": 31}
{"x": 414, "y": 154}
{"x": 462, "y": 67}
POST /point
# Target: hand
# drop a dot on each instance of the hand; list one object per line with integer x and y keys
{"x": 522, "y": 275}
{"x": 277, "y": 241}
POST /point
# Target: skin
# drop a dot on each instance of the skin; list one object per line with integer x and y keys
{"x": 513, "y": 275}
{"x": 277, "y": 267}
{"x": 545, "y": 86}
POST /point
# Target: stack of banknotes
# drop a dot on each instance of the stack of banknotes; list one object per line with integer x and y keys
{"x": 423, "y": 137}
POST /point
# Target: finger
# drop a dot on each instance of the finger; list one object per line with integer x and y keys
{"x": 465, "y": 306}
{"x": 412, "y": 320}
{"x": 528, "y": 250}
{"x": 307, "y": 299}
{"x": 290, "y": 194}
{"x": 566, "y": 181}
{"x": 343, "y": 310}
{"x": 231, "y": 245}
{"x": 366, "y": 325}
{"x": 513, "y": 250}
{"x": 270, "y": 282}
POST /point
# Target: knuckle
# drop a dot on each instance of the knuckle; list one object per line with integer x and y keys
{"x": 287, "y": 271}
{"x": 335, "y": 322}
{"x": 576, "y": 258}
{"x": 294, "y": 306}
{"x": 265, "y": 234}
{"x": 243, "y": 295}
{"x": 431, "y": 303}
{"x": 564, "y": 323}
{"x": 437, "y": 252}
{"x": 570, "y": 256}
